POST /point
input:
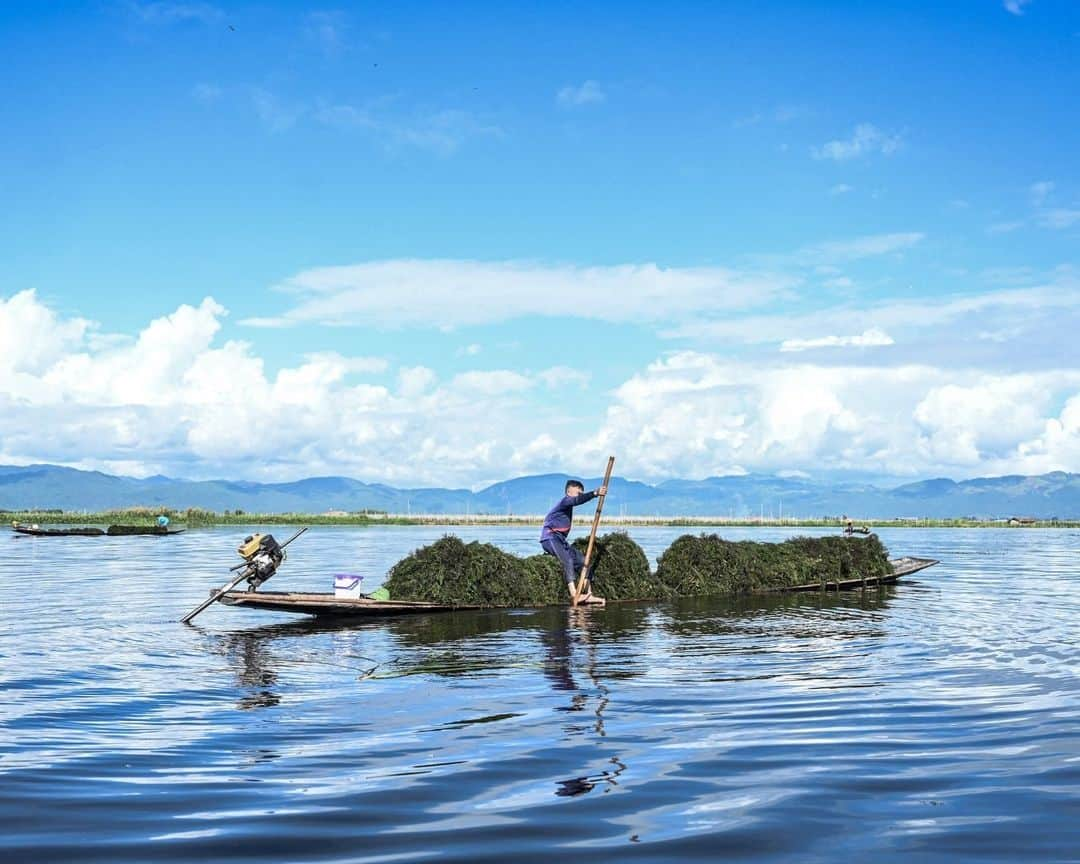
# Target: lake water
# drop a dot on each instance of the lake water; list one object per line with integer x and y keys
{"x": 933, "y": 721}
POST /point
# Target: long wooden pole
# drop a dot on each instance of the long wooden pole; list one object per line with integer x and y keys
{"x": 217, "y": 595}
{"x": 584, "y": 577}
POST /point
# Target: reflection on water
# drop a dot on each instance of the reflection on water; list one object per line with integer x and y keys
{"x": 933, "y": 720}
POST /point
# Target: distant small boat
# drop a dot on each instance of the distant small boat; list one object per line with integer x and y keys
{"x": 137, "y": 530}
{"x": 330, "y": 605}
{"x": 112, "y": 531}
{"x": 58, "y": 532}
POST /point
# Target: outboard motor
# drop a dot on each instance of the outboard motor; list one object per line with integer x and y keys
{"x": 263, "y": 556}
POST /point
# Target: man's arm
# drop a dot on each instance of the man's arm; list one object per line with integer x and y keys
{"x": 584, "y": 497}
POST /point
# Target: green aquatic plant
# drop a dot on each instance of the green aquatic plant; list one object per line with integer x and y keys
{"x": 707, "y": 565}
{"x": 454, "y": 573}
{"x": 620, "y": 569}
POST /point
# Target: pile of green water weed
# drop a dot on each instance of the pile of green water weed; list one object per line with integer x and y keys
{"x": 620, "y": 569}
{"x": 707, "y": 565}
{"x": 453, "y": 573}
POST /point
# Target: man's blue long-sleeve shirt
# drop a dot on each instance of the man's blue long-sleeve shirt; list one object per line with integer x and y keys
{"x": 561, "y": 516}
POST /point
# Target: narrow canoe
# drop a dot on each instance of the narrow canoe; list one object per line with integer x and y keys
{"x": 141, "y": 530}
{"x": 58, "y": 532}
{"x": 114, "y": 531}
{"x": 329, "y": 605}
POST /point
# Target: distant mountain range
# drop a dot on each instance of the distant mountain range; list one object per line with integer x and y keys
{"x": 1045, "y": 496}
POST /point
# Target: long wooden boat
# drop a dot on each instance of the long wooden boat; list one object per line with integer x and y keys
{"x": 142, "y": 531}
{"x": 328, "y": 605}
{"x": 58, "y": 532}
{"x": 113, "y": 531}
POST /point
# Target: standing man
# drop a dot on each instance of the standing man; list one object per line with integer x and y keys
{"x": 554, "y": 540}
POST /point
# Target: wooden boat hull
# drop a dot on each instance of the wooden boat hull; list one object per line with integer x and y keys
{"x": 114, "y": 531}
{"x": 58, "y": 532}
{"x": 330, "y": 606}
{"x": 901, "y": 567}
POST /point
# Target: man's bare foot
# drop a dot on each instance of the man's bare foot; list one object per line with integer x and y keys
{"x": 591, "y": 599}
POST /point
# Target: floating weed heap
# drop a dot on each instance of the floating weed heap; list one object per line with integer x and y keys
{"x": 620, "y": 570}
{"x": 454, "y": 573}
{"x": 707, "y": 565}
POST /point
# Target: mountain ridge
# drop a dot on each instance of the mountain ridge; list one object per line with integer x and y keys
{"x": 1044, "y": 496}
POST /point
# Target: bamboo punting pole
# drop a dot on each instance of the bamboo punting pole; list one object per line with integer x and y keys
{"x": 584, "y": 577}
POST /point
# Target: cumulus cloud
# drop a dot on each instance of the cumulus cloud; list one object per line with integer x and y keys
{"x": 178, "y": 399}
{"x": 694, "y": 414}
{"x": 32, "y": 335}
{"x": 871, "y": 338}
{"x": 865, "y": 139}
{"x": 586, "y": 93}
{"x": 450, "y": 293}
{"x": 1016, "y": 7}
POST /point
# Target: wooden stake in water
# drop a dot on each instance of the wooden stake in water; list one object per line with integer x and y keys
{"x": 217, "y": 595}
{"x": 584, "y": 577}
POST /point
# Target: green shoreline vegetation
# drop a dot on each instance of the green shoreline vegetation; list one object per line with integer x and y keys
{"x": 198, "y": 518}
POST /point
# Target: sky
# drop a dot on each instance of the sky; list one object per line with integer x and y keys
{"x": 449, "y": 244}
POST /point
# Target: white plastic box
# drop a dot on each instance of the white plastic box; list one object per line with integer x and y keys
{"x": 347, "y": 585}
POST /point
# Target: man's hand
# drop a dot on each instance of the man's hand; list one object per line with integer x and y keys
{"x": 602, "y": 490}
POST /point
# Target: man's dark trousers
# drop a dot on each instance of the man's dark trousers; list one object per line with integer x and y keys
{"x": 571, "y": 560}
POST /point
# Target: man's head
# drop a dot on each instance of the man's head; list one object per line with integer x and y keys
{"x": 574, "y": 487}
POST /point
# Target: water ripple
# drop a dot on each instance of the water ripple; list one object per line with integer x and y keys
{"x": 936, "y": 719}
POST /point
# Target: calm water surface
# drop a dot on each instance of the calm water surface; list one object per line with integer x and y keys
{"x": 937, "y": 720}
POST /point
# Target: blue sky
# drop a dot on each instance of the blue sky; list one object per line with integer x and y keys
{"x": 452, "y": 243}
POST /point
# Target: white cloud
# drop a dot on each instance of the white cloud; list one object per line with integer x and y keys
{"x": 275, "y": 114}
{"x": 865, "y": 140}
{"x": 841, "y": 189}
{"x": 442, "y": 293}
{"x": 962, "y": 314}
{"x": 561, "y": 377}
{"x": 1040, "y": 191}
{"x": 572, "y": 96}
{"x": 498, "y": 382}
{"x": 326, "y": 30}
{"x": 1061, "y": 217}
{"x": 167, "y": 12}
{"x": 31, "y": 335}
{"x": 470, "y": 350}
{"x": 867, "y": 339}
{"x": 1016, "y": 7}
{"x": 692, "y": 414}
{"x": 207, "y": 93}
{"x": 414, "y": 380}
{"x": 1004, "y": 227}
{"x": 177, "y": 399}
{"x": 859, "y": 248}
{"x": 441, "y": 131}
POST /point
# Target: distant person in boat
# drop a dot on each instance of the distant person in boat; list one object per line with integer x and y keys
{"x": 554, "y": 536}
{"x": 162, "y": 521}
{"x": 849, "y": 526}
